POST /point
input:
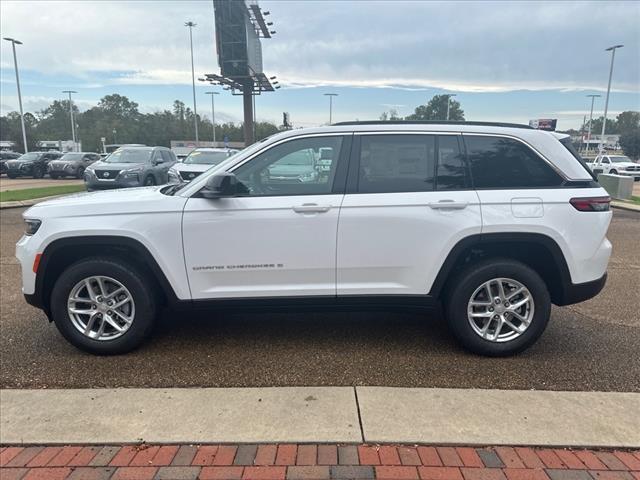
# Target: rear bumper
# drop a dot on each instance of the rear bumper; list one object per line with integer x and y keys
{"x": 579, "y": 292}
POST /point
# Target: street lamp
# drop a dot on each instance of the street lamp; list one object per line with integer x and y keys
{"x": 190, "y": 24}
{"x": 213, "y": 113}
{"x": 331, "y": 95}
{"x": 449, "y": 103}
{"x": 15, "y": 64}
{"x": 73, "y": 125}
{"x": 593, "y": 97}
{"x": 606, "y": 102}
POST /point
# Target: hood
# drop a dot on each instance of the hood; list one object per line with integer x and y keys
{"x": 100, "y": 165}
{"x": 623, "y": 164}
{"x": 191, "y": 167}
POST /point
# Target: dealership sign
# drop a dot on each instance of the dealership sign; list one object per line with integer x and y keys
{"x": 548, "y": 124}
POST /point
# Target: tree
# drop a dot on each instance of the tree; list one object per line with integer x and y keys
{"x": 630, "y": 143}
{"x": 436, "y": 109}
{"x": 390, "y": 116}
{"x": 627, "y": 122}
{"x": 11, "y": 130}
{"x": 596, "y": 126}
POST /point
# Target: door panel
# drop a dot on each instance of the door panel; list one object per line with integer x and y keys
{"x": 261, "y": 246}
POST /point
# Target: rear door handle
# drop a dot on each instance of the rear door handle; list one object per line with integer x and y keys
{"x": 448, "y": 204}
{"x": 311, "y": 208}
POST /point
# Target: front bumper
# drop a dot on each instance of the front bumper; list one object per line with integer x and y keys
{"x": 20, "y": 170}
{"x": 121, "y": 181}
{"x": 62, "y": 171}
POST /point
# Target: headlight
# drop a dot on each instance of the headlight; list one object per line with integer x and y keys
{"x": 31, "y": 226}
{"x": 174, "y": 176}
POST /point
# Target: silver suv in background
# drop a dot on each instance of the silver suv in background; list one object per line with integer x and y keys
{"x": 130, "y": 167}
{"x": 71, "y": 164}
{"x": 198, "y": 161}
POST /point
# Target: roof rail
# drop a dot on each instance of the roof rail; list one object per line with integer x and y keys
{"x": 434, "y": 122}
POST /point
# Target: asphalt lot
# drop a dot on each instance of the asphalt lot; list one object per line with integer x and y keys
{"x": 590, "y": 346}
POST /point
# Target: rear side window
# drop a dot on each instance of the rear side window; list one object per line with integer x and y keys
{"x": 498, "y": 162}
{"x": 396, "y": 163}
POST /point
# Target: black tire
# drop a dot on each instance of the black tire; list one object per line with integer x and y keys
{"x": 54, "y": 176}
{"x": 464, "y": 285}
{"x": 80, "y": 173}
{"x": 38, "y": 172}
{"x": 149, "y": 181}
{"x": 12, "y": 175}
{"x": 613, "y": 172}
{"x": 122, "y": 271}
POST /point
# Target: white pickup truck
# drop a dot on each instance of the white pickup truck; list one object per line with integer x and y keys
{"x": 615, "y": 165}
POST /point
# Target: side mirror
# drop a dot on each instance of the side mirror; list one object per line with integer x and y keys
{"x": 223, "y": 184}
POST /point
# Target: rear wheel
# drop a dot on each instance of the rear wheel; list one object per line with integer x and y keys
{"x": 103, "y": 306}
{"x": 80, "y": 173}
{"x": 498, "y": 307}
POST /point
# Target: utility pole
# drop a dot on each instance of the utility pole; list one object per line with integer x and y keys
{"x": 15, "y": 64}
{"x": 593, "y": 97}
{"x": 331, "y": 95}
{"x": 73, "y": 123}
{"x": 190, "y": 24}
{"x": 606, "y": 102}
{"x": 213, "y": 113}
{"x": 449, "y": 103}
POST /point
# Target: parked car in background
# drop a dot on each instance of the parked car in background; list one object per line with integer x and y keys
{"x": 72, "y": 164}
{"x": 130, "y": 167}
{"x": 32, "y": 164}
{"x": 199, "y": 160}
{"x": 4, "y": 156}
{"x": 615, "y": 165}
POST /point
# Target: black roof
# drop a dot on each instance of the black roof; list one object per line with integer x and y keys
{"x": 434, "y": 122}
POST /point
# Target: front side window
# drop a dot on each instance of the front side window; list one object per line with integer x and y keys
{"x": 498, "y": 162}
{"x": 296, "y": 167}
{"x": 396, "y": 163}
{"x": 166, "y": 156}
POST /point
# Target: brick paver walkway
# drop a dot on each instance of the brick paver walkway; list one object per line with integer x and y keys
{"x": 303, "y": 461}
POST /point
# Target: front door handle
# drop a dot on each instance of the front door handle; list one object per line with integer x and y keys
{"x": 311, "y": 208}
{"x": 448, "y": 204}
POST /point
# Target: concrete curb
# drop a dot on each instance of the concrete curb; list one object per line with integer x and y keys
{"x": 320, "y": 415}
{"x": 625, "y": 206}
{"x": 28, "y": 203}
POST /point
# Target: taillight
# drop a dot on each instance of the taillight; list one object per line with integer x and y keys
{"x": 591, "y": 204}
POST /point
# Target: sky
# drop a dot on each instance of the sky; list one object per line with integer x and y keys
{"x": 504, "y": 61}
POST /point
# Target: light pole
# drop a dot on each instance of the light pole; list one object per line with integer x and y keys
{"x": 331, "y": 95}
{"x": 73, "y": 125}
{"x": 213, "y": 113}
{"x": 593, "y": 97}
{"x": 449, "y": 103}
{"x": 190, "y": 24}
{"x": 15, "y": 64}
{"x": 606, "y": 102}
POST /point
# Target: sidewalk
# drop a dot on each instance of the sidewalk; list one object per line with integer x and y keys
{"x": 315, "y": 462}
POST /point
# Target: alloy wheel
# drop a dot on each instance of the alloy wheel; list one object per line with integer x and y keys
{"x": 500, "y": 310}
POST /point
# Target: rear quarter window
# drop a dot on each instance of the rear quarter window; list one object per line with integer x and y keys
{"x": 506, "y": 163}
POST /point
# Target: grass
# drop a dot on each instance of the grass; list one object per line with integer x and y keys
{"x": 31, "y": 193}
{"x": 635, "y": 199}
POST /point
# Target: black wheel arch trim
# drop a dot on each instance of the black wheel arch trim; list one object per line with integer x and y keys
{"x": 570, "y": 292}
{"x": 39, "y": 297}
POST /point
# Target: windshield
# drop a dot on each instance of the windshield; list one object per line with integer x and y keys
{"x": 138, "y": 155}
{"x": 198, "y": 157}
{"x": 620, "y": 159}
{"x": 30, "y": 156}
{"x": 302, "y": 157}
{"x": 72, "y": 157}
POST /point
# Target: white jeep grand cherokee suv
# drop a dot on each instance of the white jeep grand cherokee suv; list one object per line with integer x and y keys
{"x": 494, "y": 221}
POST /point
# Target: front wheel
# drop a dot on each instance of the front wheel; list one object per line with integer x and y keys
{"x": 80, "y": 173}
{"x": 38, "y": 172}
{"x": 103, "y": 306}
{"x": 54, "y": 176}
{"x": 613, "y": 172}
{"x": 498, "y": 307}
{"x": 149, "y": 181}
